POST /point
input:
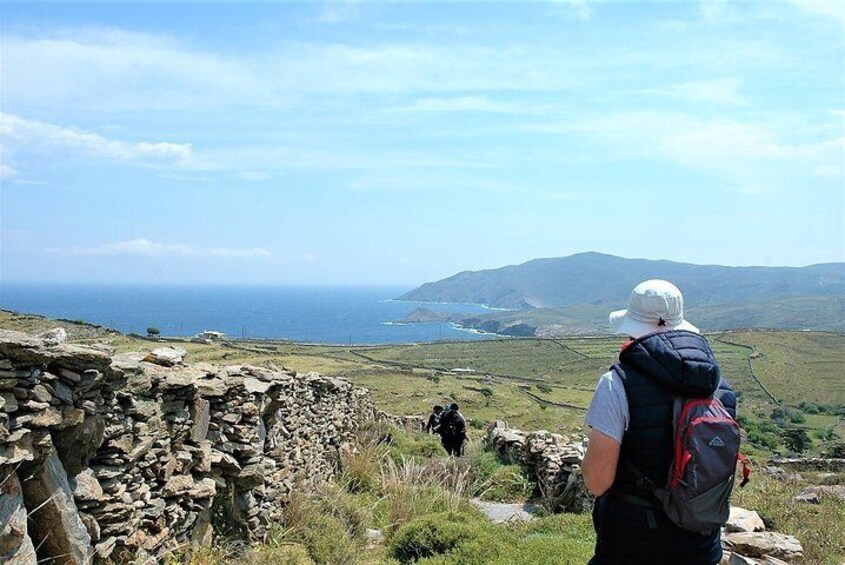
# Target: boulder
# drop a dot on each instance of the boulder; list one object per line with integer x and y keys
{"x": 56, "y": 336}
{"x": 806, "y": 498}
{"x": 832, "y": 491}
{"x": 166, "y": 356}
{"x": 760, "y": 544}
{"x": 737, "y": 559}
{"x": 742, "y": 520}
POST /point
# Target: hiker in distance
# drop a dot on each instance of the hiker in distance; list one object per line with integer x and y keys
{"x": 452, "y": 430}
{"x": 662, "y": 496}
{"x": 433, "y": 420}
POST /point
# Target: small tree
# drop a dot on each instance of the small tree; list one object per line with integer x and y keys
{"x": 153, "y": 331}
{"x": 837, "y": 451}
{"x": 796, "y": 439}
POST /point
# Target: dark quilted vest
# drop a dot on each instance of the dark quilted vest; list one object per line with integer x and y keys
{"x": 655, "y": 369}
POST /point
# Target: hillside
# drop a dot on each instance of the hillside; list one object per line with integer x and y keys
{"x": 388, "y": 495}
{"x": 571, "y": 290}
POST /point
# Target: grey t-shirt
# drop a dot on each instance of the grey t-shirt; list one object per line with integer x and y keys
{"x": 608, "y": 411}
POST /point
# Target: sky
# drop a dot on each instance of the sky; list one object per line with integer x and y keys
{"x": 394, "y": 143}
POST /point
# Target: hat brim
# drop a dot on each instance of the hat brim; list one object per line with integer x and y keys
{"x": 624, "y": 324}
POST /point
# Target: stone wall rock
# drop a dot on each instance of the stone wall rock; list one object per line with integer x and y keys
{"x": 553, "y": 460}
{"x": 139, "y": 453}
{"x": 15, "y": 544}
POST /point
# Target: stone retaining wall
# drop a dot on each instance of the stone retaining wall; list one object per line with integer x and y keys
{"x": 112, "y": 457}
{"x": 552, "y": 460}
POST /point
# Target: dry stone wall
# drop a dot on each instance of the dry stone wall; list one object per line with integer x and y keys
{"x": 553, "y": 460}
{"x": 112, "y": 457}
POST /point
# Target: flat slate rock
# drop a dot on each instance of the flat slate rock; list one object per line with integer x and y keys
{"x": 500, "y": 512}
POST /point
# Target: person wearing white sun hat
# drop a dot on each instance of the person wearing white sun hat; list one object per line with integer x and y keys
{"x": 655, "y": 305}
{"x": 631, "y": 419}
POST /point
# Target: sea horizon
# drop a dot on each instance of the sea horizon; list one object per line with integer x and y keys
{"x": 327, "y": 314}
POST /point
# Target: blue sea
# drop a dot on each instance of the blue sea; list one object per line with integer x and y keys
{"x": 314, "y": 314}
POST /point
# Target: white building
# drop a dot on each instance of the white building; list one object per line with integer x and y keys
{"x": 208, "y": 334}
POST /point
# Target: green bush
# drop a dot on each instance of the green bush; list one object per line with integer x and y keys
{"x": 836, "y": 450}
{"x": 434, "y": 535}
{"x": 326, "y": 537}
{"x": 410, "y": 445}
{"x": 476, "y": 424}
{"x": 492, "y": 480}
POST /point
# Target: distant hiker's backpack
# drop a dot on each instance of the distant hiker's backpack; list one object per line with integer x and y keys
{"x": 446, "y": 424}
{"x": 696, "y": 495}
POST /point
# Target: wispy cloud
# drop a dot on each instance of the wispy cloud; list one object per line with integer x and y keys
{"x": 723, "y": 91}
{"x": 17, "y": 132}
{"x": 582, "y": 9}
{"x": 752, "y": 157}
{"x": 470, "y": 104}
{"x": 830, "y": 8}
{"x": 148, "y": 248}
{"x": 7, "y": 172}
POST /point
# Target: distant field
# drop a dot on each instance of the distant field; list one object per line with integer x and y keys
{"x": 796, "y": 366}
{"x": 537, "y": 383}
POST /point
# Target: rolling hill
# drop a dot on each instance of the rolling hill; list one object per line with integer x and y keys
{"x": 575, "y": 292}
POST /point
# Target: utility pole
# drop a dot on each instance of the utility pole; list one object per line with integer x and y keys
{"x": 440, "y": 331}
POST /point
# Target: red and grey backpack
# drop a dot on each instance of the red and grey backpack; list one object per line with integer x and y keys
{"x": 697, "y": 492}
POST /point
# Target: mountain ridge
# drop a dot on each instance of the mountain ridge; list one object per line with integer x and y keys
{"x": 605, "y": 281}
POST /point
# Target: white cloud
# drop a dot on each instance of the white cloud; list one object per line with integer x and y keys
{"x": 148, "y": 248}
{"x": 830, "y": 8}
{"x": 337, "y": 12}
{"x": 753, "y": 158}
{"x": 17, "y": 133}
{"x": 580, "y": 8}
{"x": 112, "y": 68}
{"x": 7, "y": 172}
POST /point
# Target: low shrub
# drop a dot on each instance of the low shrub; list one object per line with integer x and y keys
{"x": 326, "y": 537}
{"x": 435, "y": 534}
{"x": 492, "y": 480}
{"x": 406, "y": 503}
{"x": 414, "y": 445}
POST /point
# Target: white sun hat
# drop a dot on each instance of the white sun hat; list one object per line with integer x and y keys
{"x": 655, "y": 305}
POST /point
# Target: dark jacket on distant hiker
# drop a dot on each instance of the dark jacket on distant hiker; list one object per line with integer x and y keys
{"x": 452, "y": 431}
{"x": 631, "y": 526}
{"x": 433, "y": 421}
